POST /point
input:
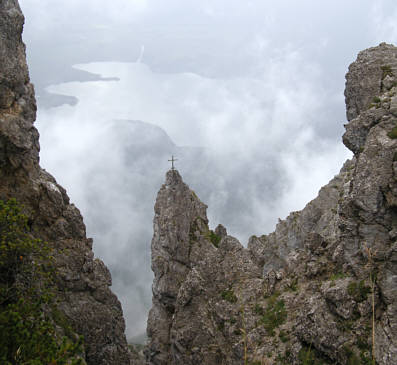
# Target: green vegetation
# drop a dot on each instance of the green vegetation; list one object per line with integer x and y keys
{"x": 352, "y": 358}
{"x": 337, "y": 276}
{"x": 28, "y": 316}
{"x": 376, "y": 102}
{"x": 214, "y": 238}
{"x": 362, "y": 344}
{"x": 308, "y": 356}
{"x": 258, "y": 309}
{"x": 386, "y": 71}
{"x": 274, "y": 315}
{"x": 283, "y": 336}
{"x": 229, "y": 296}
{"x": 366, "y": 356}
{"x": 200, "y": 227}
{"x": 393, "y": 133}
{"x": 358, "y": 290}
{"x": 345, "y": 325}
{"x": 365, "y": 350}
{"x": 284, "y": 359}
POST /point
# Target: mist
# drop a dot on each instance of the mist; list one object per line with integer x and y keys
{"x": 247, "y": 96}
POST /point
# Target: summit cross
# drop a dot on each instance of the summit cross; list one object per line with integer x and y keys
{"x": 172, "y": 162}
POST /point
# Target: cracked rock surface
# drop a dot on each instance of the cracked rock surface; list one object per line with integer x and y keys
{"x": 306, "y": 291}
{"x": 83, "y": 281}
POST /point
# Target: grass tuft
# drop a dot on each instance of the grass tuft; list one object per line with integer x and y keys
{"x": 274, "y": 315}
{"x": 229, "y": 296}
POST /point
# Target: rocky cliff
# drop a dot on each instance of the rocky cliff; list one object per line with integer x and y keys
{"x": 320, "y": 289}
{"x": 83, "y": 290}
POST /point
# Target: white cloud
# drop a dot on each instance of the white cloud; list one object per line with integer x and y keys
{"x": 258, "y": 135}
{"x": 259, "y": 85}
{"x": 384, "y": 16}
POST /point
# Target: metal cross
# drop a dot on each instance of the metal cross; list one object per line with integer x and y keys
{"x": 172, "y": 162}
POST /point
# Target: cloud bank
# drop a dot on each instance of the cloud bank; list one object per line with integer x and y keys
{"x": 248, "y": 96}
{"x": 248, "y": 147}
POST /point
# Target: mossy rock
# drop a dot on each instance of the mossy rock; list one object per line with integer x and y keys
{"x": 393, "y": 133}
{"x": 358, "y": 290}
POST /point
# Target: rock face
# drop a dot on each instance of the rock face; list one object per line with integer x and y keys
{"x": 83, "y": 282}
{"x": 307, "y": 292}
{"x": 177, "y": 210}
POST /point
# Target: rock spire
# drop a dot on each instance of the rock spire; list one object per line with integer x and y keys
{"x": 178, "y": 213}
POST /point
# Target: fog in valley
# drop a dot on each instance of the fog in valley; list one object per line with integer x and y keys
{"x": 248, "y": 96}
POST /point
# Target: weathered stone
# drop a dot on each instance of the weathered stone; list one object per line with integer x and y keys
{"x": 393, "y": 105}
{"x": 337, "y": 298}
{"x": 307, "y": 287}
{"x": 364, "y": 81}
{"x": 388, "y": 81}
{"x": 220, "y": 231}
{"x": 180, "y": 219}
{"x": 83, "y": 282}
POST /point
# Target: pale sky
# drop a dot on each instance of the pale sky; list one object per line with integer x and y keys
{"x": 247, "y": 94}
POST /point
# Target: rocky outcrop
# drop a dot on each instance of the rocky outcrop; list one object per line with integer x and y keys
{"x": 368, "y": 77}
{"x": 186, "y": 255}
{"x": 178, "y": 212}
{"x": 316, "y": 289}
{"x": 83, "y": 290}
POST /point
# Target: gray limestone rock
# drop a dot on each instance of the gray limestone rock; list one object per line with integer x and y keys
{"x": 368, "y": 77}
{"x": 220, "y": 231}
{"x": 180, "y": 217}
{"x": 305, "y": 290}
{"x": 83, "y": 282}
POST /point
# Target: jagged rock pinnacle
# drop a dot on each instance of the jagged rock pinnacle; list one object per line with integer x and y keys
{"x": 221, "y": 231}
{"x": 178, "y": 215}
{"x": 369, "y": 85}
{"x": 173, "y": 178}
{"x": 182, "y": 243}
{"x": 305, "y": 289}
{"x": 369, "y": 76}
